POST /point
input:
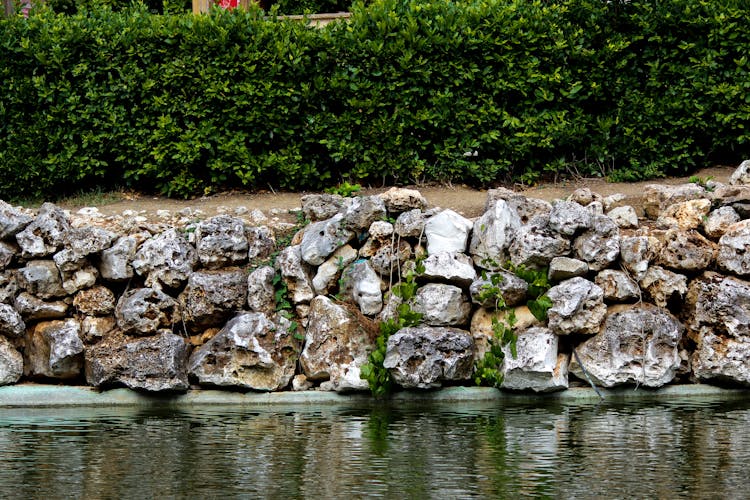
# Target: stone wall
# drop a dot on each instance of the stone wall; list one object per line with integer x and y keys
{"x": 120, "y": 301}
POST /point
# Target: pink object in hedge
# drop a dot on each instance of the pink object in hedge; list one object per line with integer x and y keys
{"x": 228, "y": 4}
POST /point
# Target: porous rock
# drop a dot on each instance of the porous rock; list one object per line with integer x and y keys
{"x": 166, "y": 259}
{"x": 54, "y": 350}
{"x": 144, "y": 311}
{"x": 12, "y": 220}
{"x": 221, "y": 241}
{"x": 46, "y": 234}
{"x": 11, "y": 363}
{"x": 577, "y": 307}
{"x": 33, "y": 308}
{"x": 449, "y": 267}
{"x": 96, "y": 301}
{"x": 685, "y": 215}
{"x": 321, "y": 239}
{"x": 536, "y": 366}
{"x": 625, "y": 217}
{"x": 663, "y": 287}
{"x": 599, "y": 246}
{"x": 441, "y": 305}
{"x": 492, "y": 235}
{"x": 399, "y": 200}
{"x": 536, "y": 244}
{"x": 568, "y": 218}
{"x": 362, "y": 285}
{"x": 296, "y": 274}
{"x": 657, "y": 197}
{"x": 741, "y": 175}
{"x": 212, "y": 297}
{"x": 508, "y": 287}
{"x": 733, "y": 255}
{"x": 617, "y": 286}
{"x": 11, "y": 322}
{"x": 719, "y": 220}
{"x": 361, "y": 211}
{"x": 483, "y": 321}
{"x": 686, "y": 251}
{"x": 329, "y": 271}
{"x": 260, "y": 291}
{"x": 116, "y": 262}
{"x": 564, "y": 268}
{"x": 41, "y": 278}
{"x": 526, "y": 208}
{"x": 317, "y": 207}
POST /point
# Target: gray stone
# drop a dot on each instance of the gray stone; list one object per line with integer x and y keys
{"x": 12, "y": 220}
{"x": 411, "y": 224}
{"x": 637, "y": 252}
{"x": 296, "y": 275}
{"x": 260, "y": 292}
{"x": 483, "y": 323}
{"x": 492, "y": 235}
{"x": 116, "y": 261}
{"x": 741, "y": 175}
{"x": 11, "y": 322}
{"x": 399, "y": 200}
{"x": 577, "y": 307}
{"x": 564, "y": 268}
{"x": 662, "y": 287}
{"x": 84, "y": 241}
{"x": 568, "y": 218}
{"x": 625, "y": 217}
{"x": 425, "y": 357}
{"x": 221, "y": 241}
{"x": 733, "y": 255}
{"x": 32, "y": 308}
{"x": 584, "y": 196}
{"x": 447, "y": 232}
{"x": 41, "y": 278}
{"x": 145, "y": 311}
{"x": 361, "y": 211}
{"x": 329, "y": 271}
{"x": 54, "y": 350}
{"x": 509, "y": 288}
{"x": 321, "y": 239}
{"x": 535, "y": 244}
{"x": 362, "y": 285}
{"x": 80, "y": 279}
{"x": 261, "y": 243}
{"x": 391, "y": 258}
{"x": 526, "y": 208}
{"x": 212, "y": 297}
{"x": 599, "y": 246}
{"x": 95, "y": 328}
{"x": 153, "y": 364}
{"x": 318, "y": 207}
{"x": 657, "y": 197}
{"x": 337, "y": 343}
{"x": 166, "y": 259}
{"x": 618, "y": 286}
{"x": 46, "y": 234}
{"x": 7, "y": 253}
{"x": 537, "y": 365}
{"x": 96, "y": 301}
{"x": 252, "y": 351}
{"x": 452, "y": 268}
{"x": 686, "y": 251}
{"x": 638, "y": 345}
{"x": 441, "y": 305}
{"x": 8, "y": 287}
{"x": 11, "y": 363}
{"x": 685, "y": 215}
{"x": 719, "y": 220}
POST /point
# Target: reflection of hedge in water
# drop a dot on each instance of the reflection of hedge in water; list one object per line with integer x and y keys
{"x": 406, "y": 90}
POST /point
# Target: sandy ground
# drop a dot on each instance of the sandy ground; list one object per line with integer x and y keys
{"x": 464, "y": 200}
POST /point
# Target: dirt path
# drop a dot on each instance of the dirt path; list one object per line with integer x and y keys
{"x": 466, "y": 201}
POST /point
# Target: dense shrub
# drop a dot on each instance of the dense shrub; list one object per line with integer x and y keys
{"x": 476, "y": 92}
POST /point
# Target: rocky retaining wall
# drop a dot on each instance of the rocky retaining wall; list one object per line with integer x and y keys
{"x": 120, "y": 301}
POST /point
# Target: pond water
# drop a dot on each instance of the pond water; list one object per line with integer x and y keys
{"x": 698, "y": 449}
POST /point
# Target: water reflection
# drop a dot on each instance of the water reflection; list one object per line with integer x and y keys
{"x": 697, "y": 449}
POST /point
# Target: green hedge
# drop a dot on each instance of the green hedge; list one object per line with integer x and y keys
{"x": 476, "y": 92}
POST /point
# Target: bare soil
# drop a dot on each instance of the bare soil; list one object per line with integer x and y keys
{"x": 464, "y": 200}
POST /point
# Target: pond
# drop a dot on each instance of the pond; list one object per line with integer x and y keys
{"x": 696, "y": 449}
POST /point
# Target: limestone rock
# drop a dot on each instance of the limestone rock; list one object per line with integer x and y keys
{"x": 447, "y": 232}
{"x": 568, "y": 218}
{"x": 625, "y": 217}
{"x": 399, "y": 200}
{"x": 252, "y": 351}
{"x": 599, "y": 245}
{"x": 212, "y": 297}
{"x": 41, "y": 278}
{"x": 482, "y": 325}
{"x": 390, "y": 258}
{"x": 492, "y": 235}
{"x": 733, "y": 255}
{"x": 32, "y": 308}
{"x": 361, "y": 212}
{"x": 153, "y": 364}
{"x": 657, "y": 197}
{"x": 329, "y": 271}
{"x": 11, "y": 363}
{"x": 80, "y": 279}
{"x": 363, "y": 286}
{"x": 11, "y": 322}
{"x": 116, "y": 261}
{"x": 452, "y": 268}
{"x": 221, "y": 241}
{"x": 536, "y": 244}
{"x": 8, "y": 287}
{"x": 564, "y": 268}
{"x": 741, "y": 175}
{"x": 686, "y": 251}
{"x": 526, "y": 208}
{"x": 260, "y": 292}
{"x": 380, "y": 235}
{"x": 84, "y": 241}
{"x": 411, "y": 224}
{"x": 685, "y": 215}
{"x": 662, "y": 287}
{"x": 441, "y": 305}
{"x": 317, "y": 207}
{"x": 719, "y": 220}
{"x": 638, "y": 345}
{"x": 321, "y": 239}
{"x": 46, "y": 234}
{"x": 295, "y": 274}
{"x": 338, "y": 342}
{"x": 510, "y": 288}
{"x": 537, "y": 365}
{"x": 95, "y": 328}
{"x": 144, "y": 311}
{"x": 54, "y": 350}
{"x": 12, "y": 220}
{"x": 637, "y": 252}
{"x": 584, "y": 196}
{"x": 617, "y": 286}
{"x": 7, "y": 253}
{"x": 166, "y": 259}
{"x": 577, "y": 307}
{"x": 425, "y": 357}
{"x": 96, "y": 301}
{"x": 260, "y": 243}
